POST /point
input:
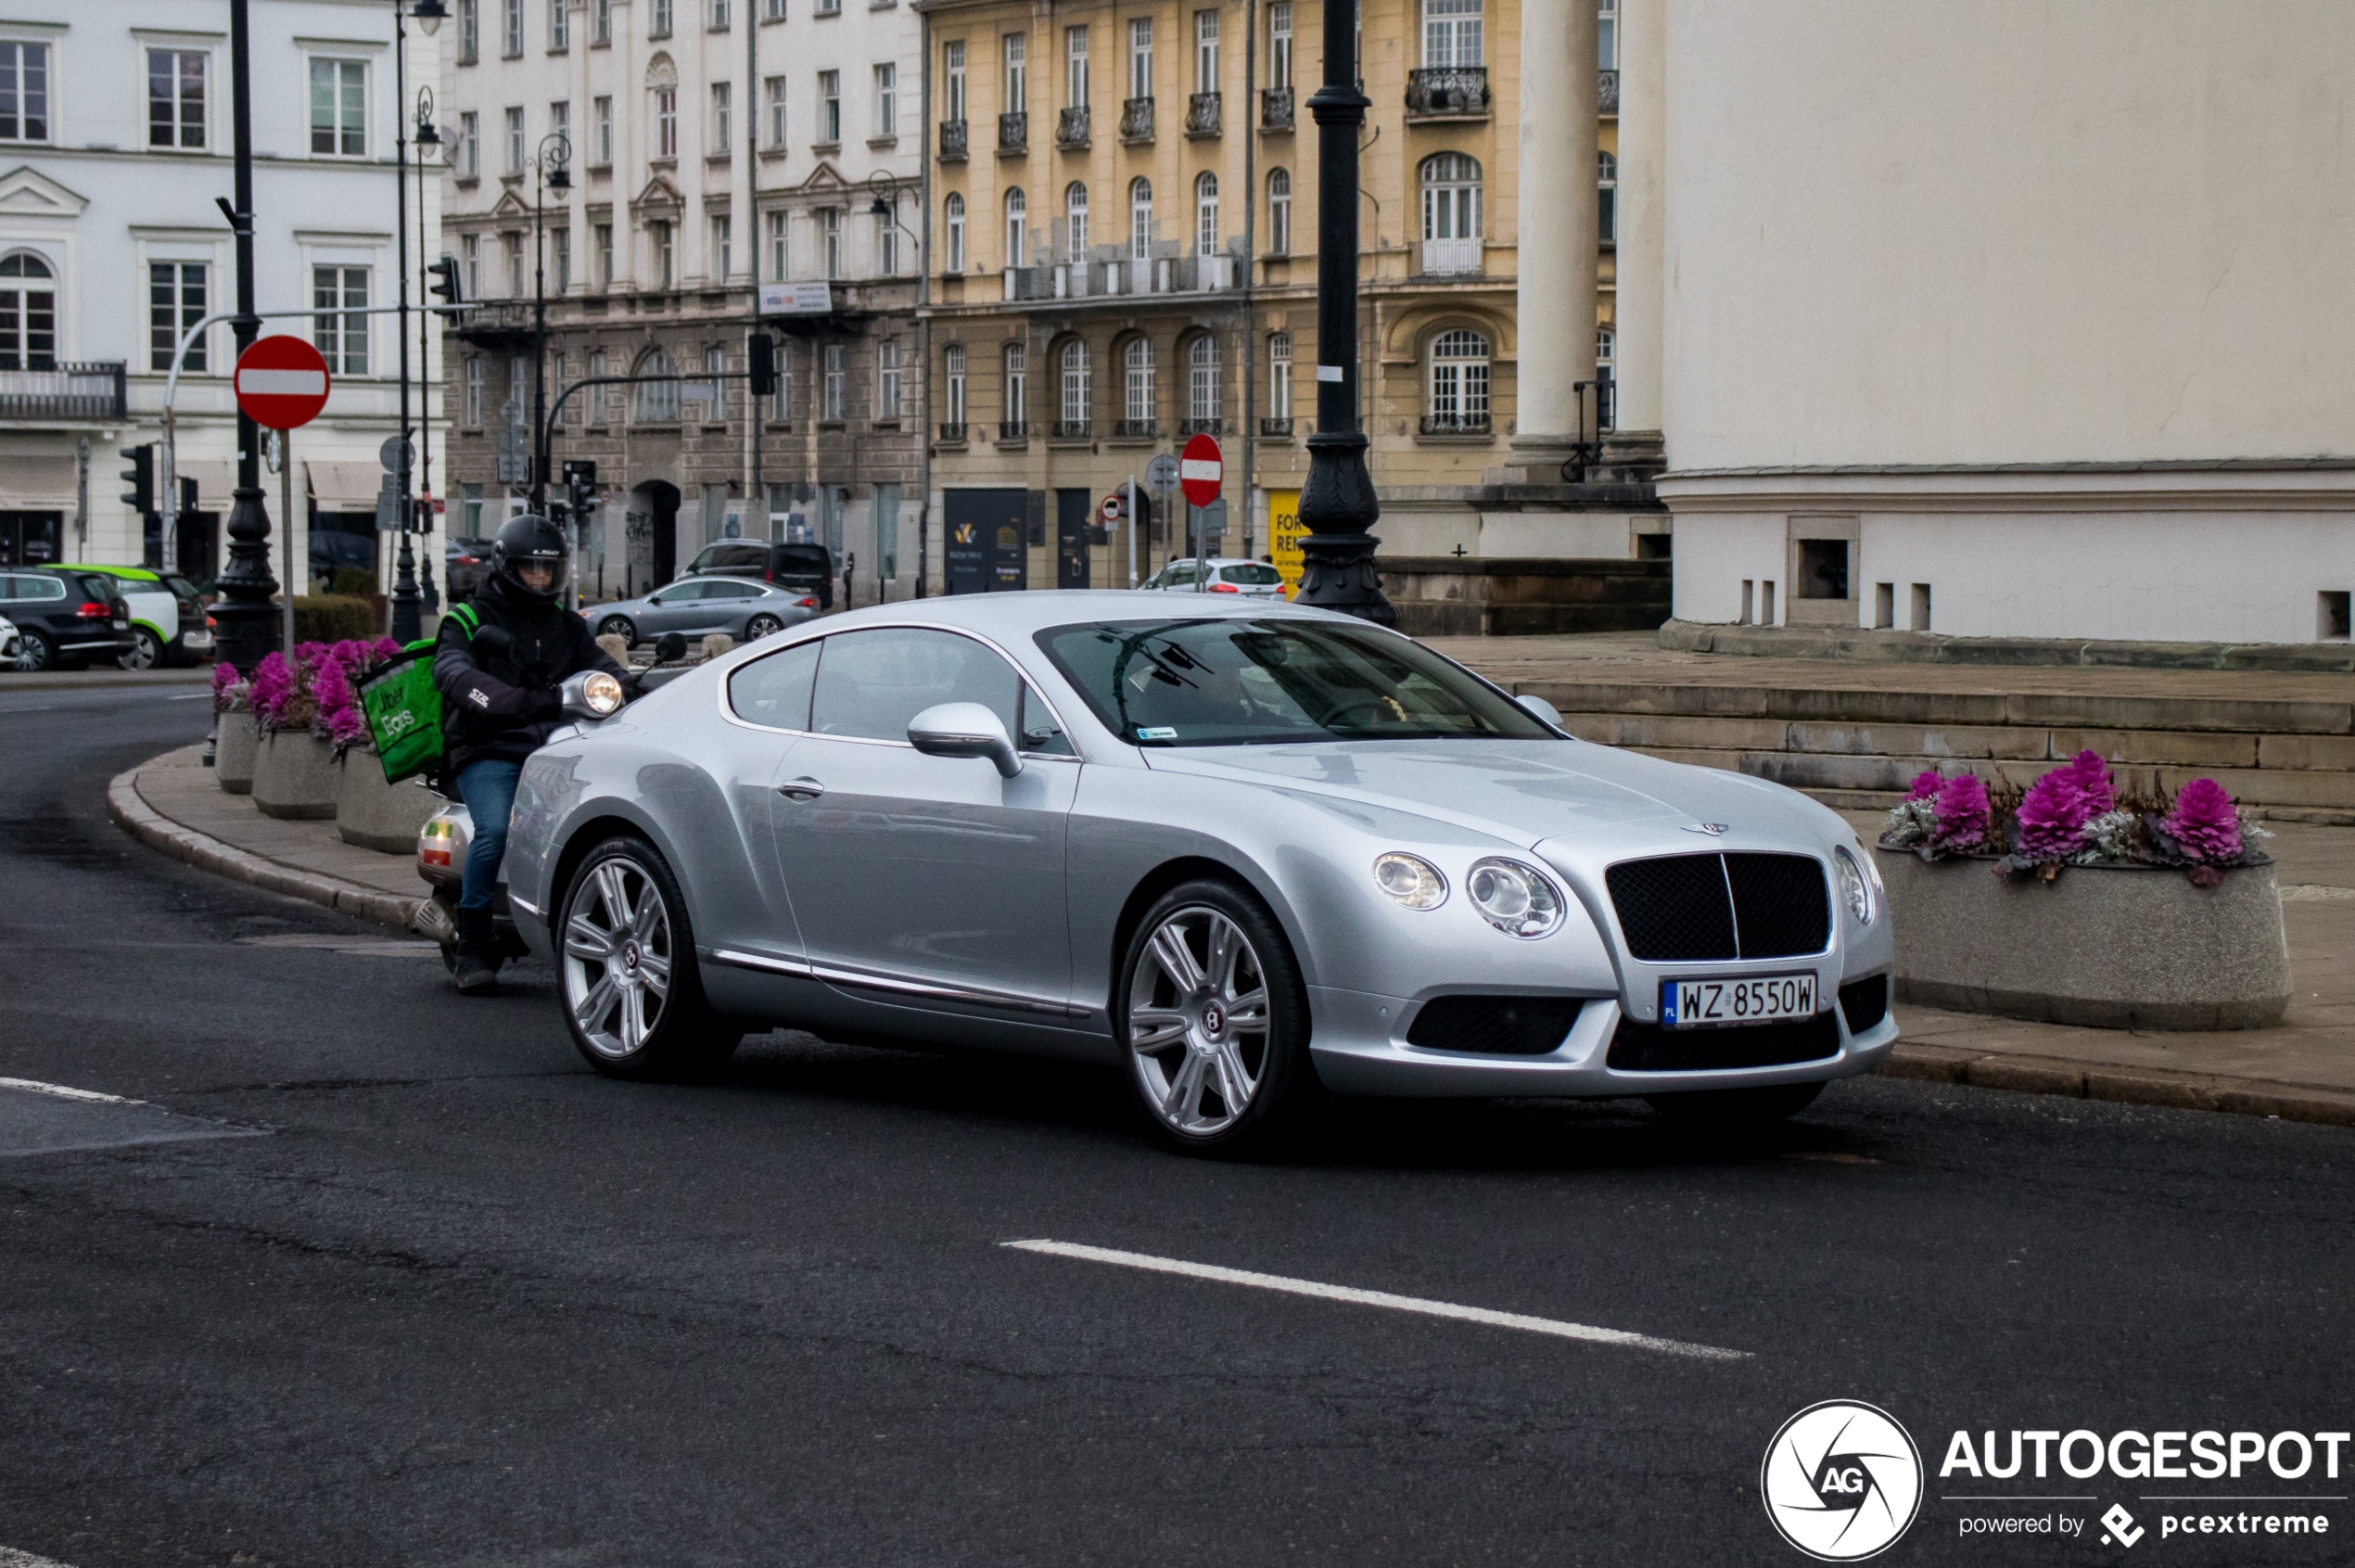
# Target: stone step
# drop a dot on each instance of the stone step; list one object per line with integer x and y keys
{"x": 1847, "y": 773}
{"x": 1890, "y": 702}
{"x": 2021, "y": 744}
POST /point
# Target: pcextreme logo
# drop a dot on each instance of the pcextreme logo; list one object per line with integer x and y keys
{"x": 1841, "y": 1481}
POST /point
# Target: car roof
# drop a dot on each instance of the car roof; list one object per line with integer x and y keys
{"x": 1014, "y": 617}
{"x": 135, "y": 574}
{"x": 717, "y": 577}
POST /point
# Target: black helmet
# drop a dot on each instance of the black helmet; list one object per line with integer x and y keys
{"x": 529, "y": 539}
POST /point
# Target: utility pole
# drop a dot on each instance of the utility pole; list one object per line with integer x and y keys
{"x": 1337, "y": 503}
{"x": 406, "y": 623}
{"x": 247, "y": 622}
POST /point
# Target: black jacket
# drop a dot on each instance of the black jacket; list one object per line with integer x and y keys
{"x": 499, "y": 698}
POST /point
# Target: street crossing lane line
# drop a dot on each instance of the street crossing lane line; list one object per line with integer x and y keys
{"x": 63, "y": 1091}
{"x": 11, "y": 1558}
{"x": 1382, "y": 1298}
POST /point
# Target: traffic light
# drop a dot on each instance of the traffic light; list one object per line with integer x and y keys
{"x": 188, "y": 507}
{"x": 444, "y": 286}
{"x": 762, "y": 362}
{"x": 141, "y": 477}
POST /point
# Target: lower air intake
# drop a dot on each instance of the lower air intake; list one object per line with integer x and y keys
{"x": 1495, "y": 1025}
{"x": 1648, "y": 1048}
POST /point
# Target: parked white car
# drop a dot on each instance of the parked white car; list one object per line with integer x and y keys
{"x": 11, "y": 646}
{"x": 1221, "y": 574}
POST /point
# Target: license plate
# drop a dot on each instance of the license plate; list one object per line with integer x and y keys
{"x": 1763, "y": 999}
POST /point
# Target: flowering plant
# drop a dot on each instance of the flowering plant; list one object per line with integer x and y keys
{"x": 229, "y": 689}
{"x": 334, "y": 689}
{"x": 281, "y": 691}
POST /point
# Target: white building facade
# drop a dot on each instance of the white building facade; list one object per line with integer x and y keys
{"x": 115, "y": 140}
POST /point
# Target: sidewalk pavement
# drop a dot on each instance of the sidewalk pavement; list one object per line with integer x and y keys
{"x": 2303, "y": 1070}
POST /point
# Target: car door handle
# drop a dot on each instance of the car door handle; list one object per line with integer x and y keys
{"x": 801, "y": 789}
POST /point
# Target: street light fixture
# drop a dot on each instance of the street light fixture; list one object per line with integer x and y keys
{"x": 429, "y": 15}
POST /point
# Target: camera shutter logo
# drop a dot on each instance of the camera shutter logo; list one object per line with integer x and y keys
{"x": 1841, "y": 1481}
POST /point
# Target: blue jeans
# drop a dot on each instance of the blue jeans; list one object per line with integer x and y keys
{"x": 489, "y": 790}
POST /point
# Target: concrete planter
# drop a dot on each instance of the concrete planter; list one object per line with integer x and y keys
{"x": 2126, "y": 948}
{"x": 295, "y": 774}
{"x": 377, "y": 815}
{"x": 233, "y": 753}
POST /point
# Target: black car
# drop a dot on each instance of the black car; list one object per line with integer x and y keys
{"x": 68, "y": 617}
{"x": 464, "y": 563}
{"x": 809, "y": 567}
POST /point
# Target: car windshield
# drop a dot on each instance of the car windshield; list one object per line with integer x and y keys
{"x": 802, "y": 558}
{"x": 1270, "y": 682}
{"x": 731, "y": 558}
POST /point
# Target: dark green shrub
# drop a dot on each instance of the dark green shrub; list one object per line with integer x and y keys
{"x": 350, "y": 581}
{"x": 333, "y": 617}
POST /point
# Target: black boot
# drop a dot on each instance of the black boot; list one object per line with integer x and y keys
{"x": 476, "y": 974}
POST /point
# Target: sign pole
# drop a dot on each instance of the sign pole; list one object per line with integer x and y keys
{"x": 285, "y": 533}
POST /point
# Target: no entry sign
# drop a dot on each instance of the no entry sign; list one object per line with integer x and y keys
{"x": 282, "y": 383}
{"x": 1200, "y": 471}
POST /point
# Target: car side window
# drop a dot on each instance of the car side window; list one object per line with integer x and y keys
{"x": 8, "y": 589}
{"x": 871, "y": 683}
{"x": 678, "y": 593}
{"x": 731, "y": 590}
{"x": 42, "y": 587}
{"x": 775, "y": 691}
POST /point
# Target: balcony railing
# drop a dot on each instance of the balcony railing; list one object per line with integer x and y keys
{"x": 1275, "y": 109}
{"x": 1014, "y": 132}
{"x": 1071, "y": 127}
{"x": 1455, "y": 425}
{"x": 1455, "y": 92}
{"x": 1202, "y": 114}
{"x": 1074, "y": 430}
{"x": 1273, "y": 427}
{"x": 1201, "y": 426}
{"x": 1444, "y": 258}
{"x": 1136, "y": 120}
{"x": 1607, "y": 93}
{"x": 953, "y": 434}
{"x": 953, "y": 141}
{"x": 1094, "y": 280}
{"x": 1013, "y": 429}
{"x": 93, "y": 391}
{"x": 1135, "y": 429}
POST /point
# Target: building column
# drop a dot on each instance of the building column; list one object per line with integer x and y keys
{"x": 1635, "y": 448}
{"x": 1554, "y": 290}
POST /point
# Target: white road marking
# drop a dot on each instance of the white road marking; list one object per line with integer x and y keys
{"x": 192, "y": 697}
{"x": 1554, "y": 1326}
{"x": 11, "y": 1558}
{"x": 64, "y": 1092}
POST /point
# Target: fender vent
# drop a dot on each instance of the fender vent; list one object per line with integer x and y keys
{"x": 1864, "y": 1002}
{"x": 1495, "y": 1025}
{"x": 1648, "y": 1048}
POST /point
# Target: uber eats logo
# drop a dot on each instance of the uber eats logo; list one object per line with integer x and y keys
{"x": 1841, "y": 1479}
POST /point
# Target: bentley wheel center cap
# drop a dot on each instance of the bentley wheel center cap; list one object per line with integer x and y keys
{"x": 1214, "y": 1018}
{"x": 630, "y": 955}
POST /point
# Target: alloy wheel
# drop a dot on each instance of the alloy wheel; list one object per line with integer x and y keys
{"x": 761, "y": 626}
{"x": 1198, "y": 1021}
{"x": 617, "y": 957}
{"x": 615, "y": 626}
{"x": 146, "y": 652}
{"x": 39, "y": 653}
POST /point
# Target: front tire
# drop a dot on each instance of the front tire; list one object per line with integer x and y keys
{"x": 1213, "y": 1021}
{"x": 619, "y": 626}
{"x": 762, "y": 626}
{"x": 1732, "y": 1108}
{"x": 625, "y": 961}
{"x": 147, "y": 651}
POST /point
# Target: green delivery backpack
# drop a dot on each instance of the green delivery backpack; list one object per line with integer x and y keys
{"x": 403, "y": 707}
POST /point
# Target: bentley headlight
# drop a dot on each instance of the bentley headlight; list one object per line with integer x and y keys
{"x": 1414, "y": 882}
{"x": 1517, "y": 900}
{"x": 601, "y": 693}
{"x": 1855, "y": 886}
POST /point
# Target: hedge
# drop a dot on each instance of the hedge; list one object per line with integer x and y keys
{"x": 333, "y": 617}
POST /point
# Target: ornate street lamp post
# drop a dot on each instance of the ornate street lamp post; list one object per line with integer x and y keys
{"x": 247, "y": 621}
{"x": 551, "y": 170}
{"x": 428, "y": 141}
{"x": 1337, "y": 503}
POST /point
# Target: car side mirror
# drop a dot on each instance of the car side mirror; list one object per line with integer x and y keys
{"x": 671, "y": 647}
{"x": 964, "y": 729}
{"x": 1542, "y": 709}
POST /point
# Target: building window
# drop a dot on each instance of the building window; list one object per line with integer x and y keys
{"x": 1017, "y": 398}
{"x": 1606, "y": 395}
{"x": 559, "y": 24}
{"x": 829, "y": 107}
{"x": 175, "y": 97}
{"x": 1140, "y": 58}
{"x": 1206, "y": 51}
{"x": 1279, "y": 212}
{"x": 830, "y": 240}
{"x": 511, "y": 28}
{"x": 339, "y": 108}
{"x": 601, "y": 19}
{"x": 603, "y": 234}
{"x": 1451, "y": 213}
{"x": 1017, "y": 222}
{"x": 469, "y": 145}
{"x": 1280, "y": 43}
{"x": 666, "y": 123}
{"x": 778, "y": 254}
{"x": 887, "y": 237}
{"x": 514, "y": 119}
{"x": 1076, "y": 220}
{"x": 560, "y": 124}
{"x": 1017, "y": 52}
{"x": 661, "y": 240}
{"x": 658, "y": 18}
{"x": 1460, "y": 382}
{"x": 952, "y": 361}
{"x": 887, "y": 99}
{"x": 1076, "y": 67}
{"x": 469, "y": 32}
{"x": 341, "y": 339}
{"x": 1606, "y": 188}
{"x": 834, "y": 384}
{"x": 470, "y": 257}
{"x": 600, "y": 402}
{"x": 657, "y": 400}
{"x": 888, "y": 379}
{"x": 28, "y": 313}
{"x": 772, "y": 10}
{"x": 1140, "y": 218}
{"x": 1280, "y": 375}
{"x": 721, "y": 102}
{"x": 953, "y": 226}
{"x": 1075, "y": 385}
{"x": 601, "y": 131}
{"x": 511, "y": 246}
{"x": 1137, "y": 384}
{"x": 474, "y": 393}
{"x": 724, "y": 249}
{"x": 1205, "y": 213}
{"x": 1205, "y": 386}
{"x": 722, "y": 19}
{"x": 1451, "y": 33}
{"x": 1607, "y": 33}
{"x": 952, "y": 70}
{"x": 560, "y": 248}
{"x": 175, "y": 302}
{"x": 715, "y": 386}
{"x": 775, "y": 88}
{"x": 782, "y": 406}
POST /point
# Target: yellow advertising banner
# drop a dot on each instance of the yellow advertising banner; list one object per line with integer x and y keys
{"x": 1283, "y": 535}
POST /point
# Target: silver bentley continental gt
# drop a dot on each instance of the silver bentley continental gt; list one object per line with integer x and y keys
{"x": 1255, "y": 856}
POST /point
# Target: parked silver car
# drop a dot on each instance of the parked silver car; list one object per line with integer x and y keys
{"x": 1253, "y": 854}
{"x": 743, "y": 607}
{"x": 1221, "y": 574}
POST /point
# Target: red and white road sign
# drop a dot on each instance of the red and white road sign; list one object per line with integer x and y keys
{"x": 282, "y": 383}
{"x": 1201, "y": 473}
{"x": 1112, "y": 509}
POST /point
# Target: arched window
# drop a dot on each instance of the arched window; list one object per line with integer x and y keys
{"x": 1137, "y": 388}
{"x": 1606, "y": 186}
{"x": 1074, "y": 418}
{"x": 1451, "y": 213}
{"x": 1206, "y": 214}
{"x": 1279, "y": 212}
{"x": 1140, "y": 218}
{"x": 1205, "y": 387}
{"x": 954, "y": 248}
{"x": 1016, "y": 402}
{"x": 952, "y": 364}
{"x": 1017, "y": 226}
{"x": 1280, "y": 375}
{"x": 1075, "y": 222}
{"x": 29, "y": 314}
{"x": 657, "y": 400}
{"x": 1458, "y": 384}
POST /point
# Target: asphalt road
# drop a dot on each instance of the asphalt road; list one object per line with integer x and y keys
{"x": 379, "y": 1275}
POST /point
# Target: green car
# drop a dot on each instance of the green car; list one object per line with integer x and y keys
{"x": 167, "y": 617}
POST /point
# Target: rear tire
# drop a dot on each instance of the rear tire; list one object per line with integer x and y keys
{"x": 1731, "y": 1108}
{"x": 619, "y": 626}
{"x": 762, "y": 626}
{"x": 632, "y": 995}
{"x": 147, "y": 651}
{"x": 39, "y": 652}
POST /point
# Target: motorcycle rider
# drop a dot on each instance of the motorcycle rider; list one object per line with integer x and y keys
{"x": 498, "y": 680}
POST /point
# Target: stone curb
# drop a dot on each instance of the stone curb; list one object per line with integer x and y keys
{"x": 2130, "y": 1085}
{"x": 151, "y": 827}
